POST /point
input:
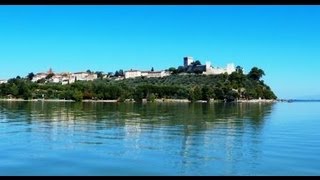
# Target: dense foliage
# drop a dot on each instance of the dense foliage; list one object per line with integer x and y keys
{"x": 192, "y": 86}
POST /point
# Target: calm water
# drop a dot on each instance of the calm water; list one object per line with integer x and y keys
{"x": 159, "y": 139}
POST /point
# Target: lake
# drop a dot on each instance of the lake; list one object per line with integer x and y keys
{"x": 47, "y": 138}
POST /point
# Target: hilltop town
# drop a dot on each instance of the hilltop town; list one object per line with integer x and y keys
{"x": 192, "y": 81}
{"x": 190, "y": 66}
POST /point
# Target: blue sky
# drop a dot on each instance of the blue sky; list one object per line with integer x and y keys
{"x": 284, "y": 41}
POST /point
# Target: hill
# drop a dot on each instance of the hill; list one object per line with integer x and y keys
{"x": 190, "y": 86}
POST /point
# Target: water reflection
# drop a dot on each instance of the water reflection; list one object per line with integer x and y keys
{"x": 191, "y": 138}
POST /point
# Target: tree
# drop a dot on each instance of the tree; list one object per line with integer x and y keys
{"x": 151, "y": 97}
{"x": 41, "y": 81}
{"x": 99, "y": 74}
{"x": 49, "y": 76}
{"x": 173, "y": 70}
{"x": 231, "y": 95}
{"x": 256, "y": 73}
{"x": 89, "y": 71}
{"x": 195, "y": 93}
{"x": 30, "y": 76}
{"x": 116, "y": 74}
{"x": 181, "y": 69}
{"x": 77, "y": 95}
{"x": 239, "y": 69}
{"x": 110, "y": 74}
{"x": 207, "y": 93}
{"x": 152, "y": 69}
{"x": 121, "y": 73}
{"x": 14, "y": 90}
{"x": 219, "y": 93}
{"x": 197, "y": 62}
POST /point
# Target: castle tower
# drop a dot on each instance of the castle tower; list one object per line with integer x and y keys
{"x": 187, "y": 61}
{"x": 50, "y": 71}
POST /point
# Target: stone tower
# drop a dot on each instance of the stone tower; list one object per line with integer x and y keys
{"x": 187, "y": 61}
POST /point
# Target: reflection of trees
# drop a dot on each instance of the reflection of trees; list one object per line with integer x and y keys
{"x": 226, "y": 125}
{"x": 202, "y": 133}
{"x": 201, "y": 117}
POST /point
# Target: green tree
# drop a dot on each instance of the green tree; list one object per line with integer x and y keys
{"x": 239, "y": 69}
{"x": 151, "y": 97}
{"x": 207, "y": 93}
{"x": 121, "y": 73}
{"x": 110, "y": 74}
{"x": 231, "y": 95}
{"x": 173, "y": 70}
{"x": 14, "y": 90}
{"x": 41, "y": 81}
{"x": 99, "y": 74}
{"x": 77, "y": 95}
{"x": 219, "y": 93}
{"x": 181, "y": 69}
{"x": 116, "y": 74}
{"x": 195, "y": 93}
{"x": 30, "y": 76}
{"x": 256, "y": 73}
{"x": 196, "y": 63}
{"x": 49, "y": 76}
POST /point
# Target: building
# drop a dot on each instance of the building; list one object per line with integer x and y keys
{"x": 56, "y": 79}
{"x": 66, "y": 77}
{"x": 150, "y": 74}
{"x": 206, "y": 69}
{"x": 3, "y": 81}
{"x": 39, "y": 76}
{"x": 217, "y": 70}
{"x": 83, "y": 76}
{"x": 80, "y": 76}
{"x": 132, "y": 74}
{"x": 63, "y": 78}
{"x": 187, "y": 61}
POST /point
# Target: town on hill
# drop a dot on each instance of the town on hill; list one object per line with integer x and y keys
{"x": 192, "y": 81}
{"x": 189, "y": 67}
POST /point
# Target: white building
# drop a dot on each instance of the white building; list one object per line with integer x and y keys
{"x": 56, "y": 79}
{"x": 217, "y": 70}
{"x": 66, "y": 77}
{"x": 210, "y": 69}
{"x": 80, "y": 76}
{"x": 83, "y": 76}
{"x": 39, "y": 76}
{"x": 150, "y": 74}
{"x": 147, "y": 74}
{"x": 3, "y": 81}
{"x": 132, "y": 74}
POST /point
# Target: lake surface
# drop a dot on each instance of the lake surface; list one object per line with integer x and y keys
{"x": 46, "y": 138}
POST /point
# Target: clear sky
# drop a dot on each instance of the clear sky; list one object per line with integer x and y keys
{"x": 284, "y": 41}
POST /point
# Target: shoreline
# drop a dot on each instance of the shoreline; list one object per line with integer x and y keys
{"x": 145, "y": 101}
{"x": 258, "y": 101}
{"x": 37, "y": 100}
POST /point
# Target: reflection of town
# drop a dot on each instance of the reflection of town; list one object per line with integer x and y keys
{"x": 198, "y": 130}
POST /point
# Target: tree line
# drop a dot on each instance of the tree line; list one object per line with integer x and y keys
{"x": 194, "y": 87}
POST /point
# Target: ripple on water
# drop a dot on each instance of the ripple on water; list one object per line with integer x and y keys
{"x": 120, "y": 139}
